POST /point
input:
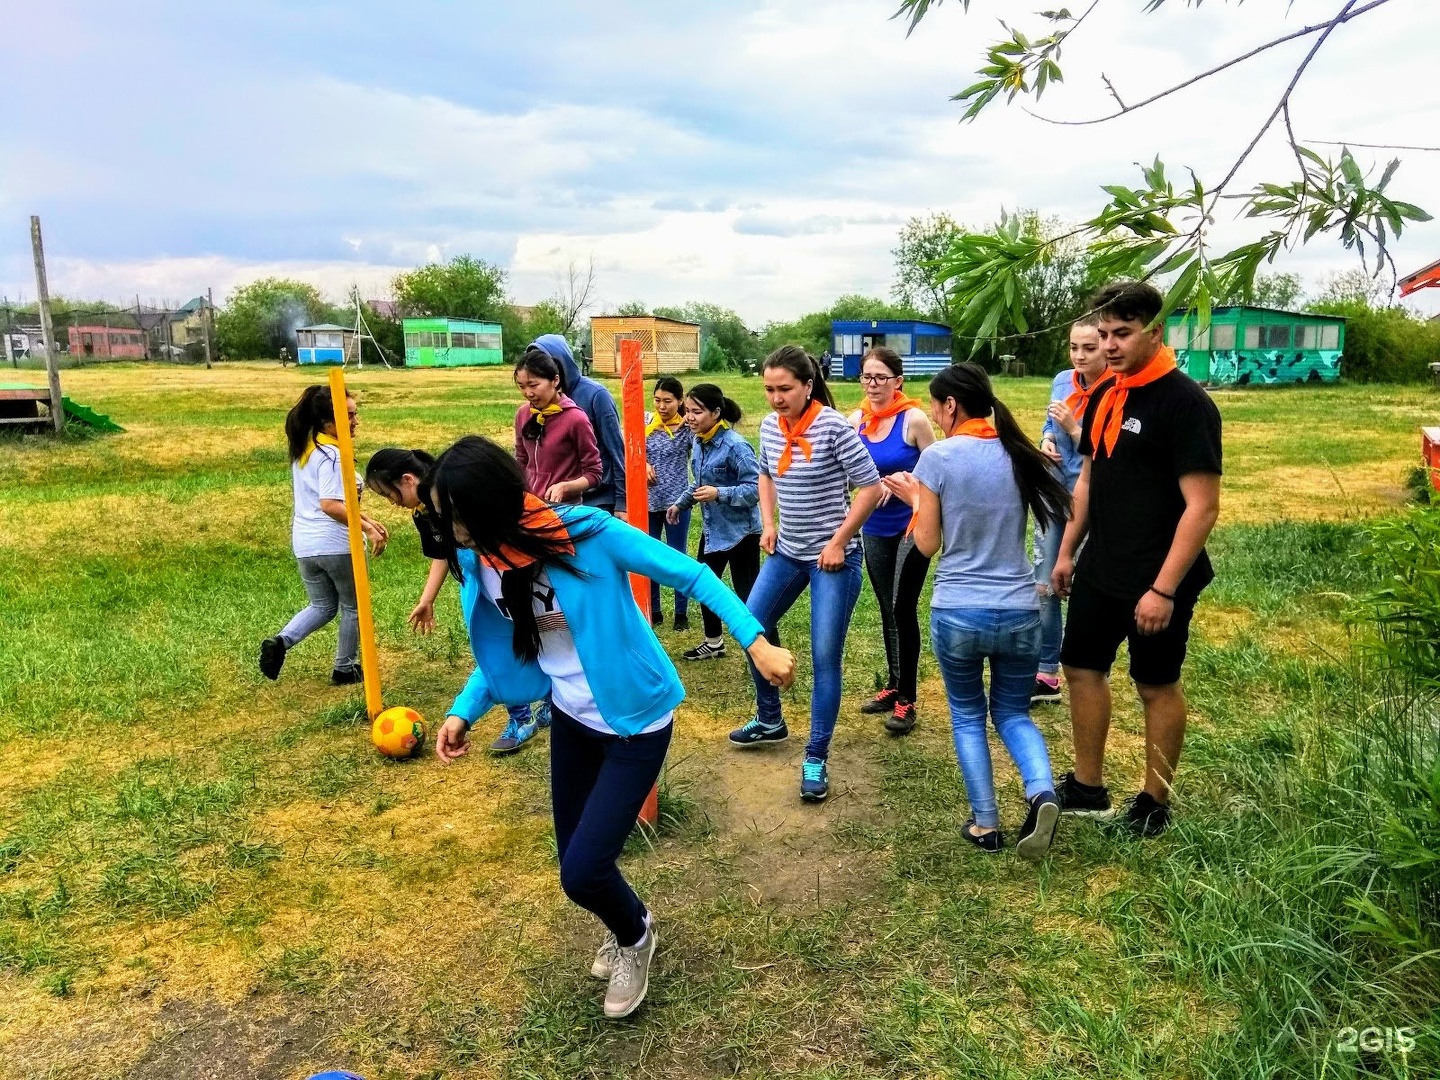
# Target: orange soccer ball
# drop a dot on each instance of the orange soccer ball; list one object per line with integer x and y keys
{"x": 398, "y": 732}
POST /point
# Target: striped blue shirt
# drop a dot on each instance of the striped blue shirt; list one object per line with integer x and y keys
{"x": 814, "y": 495}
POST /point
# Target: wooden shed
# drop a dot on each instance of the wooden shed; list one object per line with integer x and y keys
{"x": 666, "y": 345}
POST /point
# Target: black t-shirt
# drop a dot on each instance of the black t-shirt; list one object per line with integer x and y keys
{"x": 432, "y": 544}
{"x": 1171, "y": 428}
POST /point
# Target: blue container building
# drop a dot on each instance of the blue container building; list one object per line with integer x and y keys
{"x": 923, "y": 346}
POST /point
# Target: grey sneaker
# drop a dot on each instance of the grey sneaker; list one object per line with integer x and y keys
{"x": 630, "y": 976}
{"x": 605, "y": 958}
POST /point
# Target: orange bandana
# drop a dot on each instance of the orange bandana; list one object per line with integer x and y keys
{"x": 795, "y": 436}
{"x": 1110, "y": 410}
{"x": 870, "y": 417}
{"x": 1079, "y": 401}
{"x": 538, "y": 517}
{"x": 976, "y": 427}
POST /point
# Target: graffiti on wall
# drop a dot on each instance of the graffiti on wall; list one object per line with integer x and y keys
{"x": 1263, "y": 367}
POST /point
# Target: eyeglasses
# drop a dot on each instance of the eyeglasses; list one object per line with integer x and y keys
{"x": 876, "y": 380}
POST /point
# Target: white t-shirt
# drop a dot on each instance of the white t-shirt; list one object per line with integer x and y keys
{"x": 558, "y": 657}
{"x": 312, "y": 531}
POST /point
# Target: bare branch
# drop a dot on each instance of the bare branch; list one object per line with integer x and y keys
{"x": 1113, "y": 92}
{"x": 1342, "y": 16}
{"x": 1302, "y": 32}
{"x": 576, "y": 292}
{"x": 1374, "y": 146}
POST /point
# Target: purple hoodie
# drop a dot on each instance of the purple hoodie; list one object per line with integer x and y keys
{"x": 561, "y": 449}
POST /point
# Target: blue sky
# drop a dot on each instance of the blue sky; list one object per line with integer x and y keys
{"x": 759, "y": 153}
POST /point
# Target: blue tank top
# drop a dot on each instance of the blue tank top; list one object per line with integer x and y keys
{"x": 891, "y": 454}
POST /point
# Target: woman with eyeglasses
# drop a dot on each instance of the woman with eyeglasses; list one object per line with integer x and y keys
{"x": 894, "y": 429}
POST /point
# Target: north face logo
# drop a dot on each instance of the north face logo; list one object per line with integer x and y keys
{"x": 1132, "y": 425}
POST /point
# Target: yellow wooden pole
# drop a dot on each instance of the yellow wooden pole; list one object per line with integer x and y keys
{"x": 369, "y": 654}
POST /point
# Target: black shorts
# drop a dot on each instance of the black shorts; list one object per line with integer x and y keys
{"x": 1097, "y": 623}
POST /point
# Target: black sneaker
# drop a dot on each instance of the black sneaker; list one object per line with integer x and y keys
{"x": 346, "y": 676}
{"x": 705, "y": 651}
{"x": 657, "y": 618}
{"x": 1038, "y": 831}
{"x": 754, "y": 733}
{"x": 1081, "y": 799}
{"x": 272, "y": 657}
{"x": 1142, "y": 815}
{"x": 682, "y": 622}
{"x": 991, "y": 841}
{"x": 1045, "y": 692}
{"x": 882, "y": 702}
{"x": 901, "y": 720}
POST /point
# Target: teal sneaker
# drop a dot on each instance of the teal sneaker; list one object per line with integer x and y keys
{"x": 814, "y": 780}
{"x": 754, "y": 733}
{"x": 515, "y": 735}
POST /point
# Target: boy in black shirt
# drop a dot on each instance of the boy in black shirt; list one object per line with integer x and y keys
{"x": 1147, "y": 498}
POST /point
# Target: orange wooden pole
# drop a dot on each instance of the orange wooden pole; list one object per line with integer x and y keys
{"x": 637, "y": 494}
{"x": 369, "y": 654}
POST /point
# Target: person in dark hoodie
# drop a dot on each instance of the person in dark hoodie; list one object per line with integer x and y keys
{"x": 599, "y": 406}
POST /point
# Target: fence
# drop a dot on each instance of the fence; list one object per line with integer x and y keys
{"x": 108, "y": 334}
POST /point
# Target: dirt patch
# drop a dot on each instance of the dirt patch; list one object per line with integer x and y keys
{"x": 209, "y": 1041}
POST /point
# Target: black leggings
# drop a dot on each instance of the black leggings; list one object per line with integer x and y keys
{"x": 897, "y": 574}
{"x": 744, "y": 561}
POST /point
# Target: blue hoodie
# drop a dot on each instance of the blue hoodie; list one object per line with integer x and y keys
{"x": 599, "y": 406}
{"x": 633, "y": 681}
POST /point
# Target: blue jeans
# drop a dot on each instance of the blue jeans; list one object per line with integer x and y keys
{"x": 677, "y": 537}
{"x": 1047, "y": 551}
{"x": 832, "y": 601}
{"x": 963, "y": 638}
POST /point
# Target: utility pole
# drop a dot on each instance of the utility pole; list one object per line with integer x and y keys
{"x": 209, "y": 327}
{"x": 47, "y": 326}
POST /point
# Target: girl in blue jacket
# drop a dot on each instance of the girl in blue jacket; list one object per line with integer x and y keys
{"x": 546, "y": 596}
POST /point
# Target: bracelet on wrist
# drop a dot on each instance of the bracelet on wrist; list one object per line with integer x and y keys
{"x": 1166, "y": 595}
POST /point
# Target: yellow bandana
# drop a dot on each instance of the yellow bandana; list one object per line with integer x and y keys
{"x": 719, "y": 427}
{"x": 541, "y": 415}
{"x": 659, "y": 424}
{"x": 320, "y": 439}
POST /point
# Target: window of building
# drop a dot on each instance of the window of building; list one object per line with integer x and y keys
{"x": 1275, "y": 337}
{"x": 412, "y": 341}
{"x": 932, "y": 344}
{"x": 1175, "y": 335}
{"x": 1330, "y": 337}
{"x": 1252, "y": 337}
{"x": 900, "y": 343}
{"x": 1222, "y": 336}
{"x": 487, "y": 341}
{"x": 1306, "y": 337}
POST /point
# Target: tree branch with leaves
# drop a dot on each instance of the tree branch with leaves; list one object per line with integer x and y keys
{"x": 1159, "y": 229}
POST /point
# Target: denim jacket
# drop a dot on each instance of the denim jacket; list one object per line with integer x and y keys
{"x": 728, "y": 464}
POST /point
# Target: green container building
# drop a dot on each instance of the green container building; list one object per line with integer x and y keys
{"x": 1253, "y": 346}
{"x": 446, "y": 342}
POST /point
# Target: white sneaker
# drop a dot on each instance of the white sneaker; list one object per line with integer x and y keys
{"x": 605, "y": 958}
{"x": 630, "y": 976}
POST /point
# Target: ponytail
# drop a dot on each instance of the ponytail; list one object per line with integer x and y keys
{"x": 307, "y": 418}
{"x": 1040, "y": 490}
{"x": 712, "y": 399}
{"x": 803, "y": 366}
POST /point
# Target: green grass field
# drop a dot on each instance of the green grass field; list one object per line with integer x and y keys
{"x": 204, "y": 874}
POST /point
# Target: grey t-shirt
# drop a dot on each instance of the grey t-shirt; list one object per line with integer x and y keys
{"x": 983, "y": 562}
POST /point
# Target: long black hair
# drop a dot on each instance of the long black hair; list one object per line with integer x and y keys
{"x": 308, "y": 417}
{"x": 539, "y": 363}
{"x": 1039, "y": 488}
{"x": 713, "y": 399}
{"x": 479, "y": 484}
{"x": 386, "y": 467}
{"x": 804, "y": 367}
{"x": 670, "y": 385}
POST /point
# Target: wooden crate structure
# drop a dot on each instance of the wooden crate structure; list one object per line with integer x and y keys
{"x": 666, "y": 345}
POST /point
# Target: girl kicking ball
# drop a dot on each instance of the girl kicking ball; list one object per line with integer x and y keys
{"x": 320, "y": 538}
{"x": 546, "y": 596}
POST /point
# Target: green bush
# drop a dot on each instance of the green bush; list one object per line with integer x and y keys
{"x": 1384, "y": 344}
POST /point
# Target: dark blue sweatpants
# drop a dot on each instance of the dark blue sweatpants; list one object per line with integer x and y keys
{"x": 598, "y": 783}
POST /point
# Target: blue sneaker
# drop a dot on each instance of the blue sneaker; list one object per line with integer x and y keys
{"x": 516, "y": 734}
{"x": 543, "y": 715}
{"x": 814, "y": 780}
{"x": 754, "y": 733}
